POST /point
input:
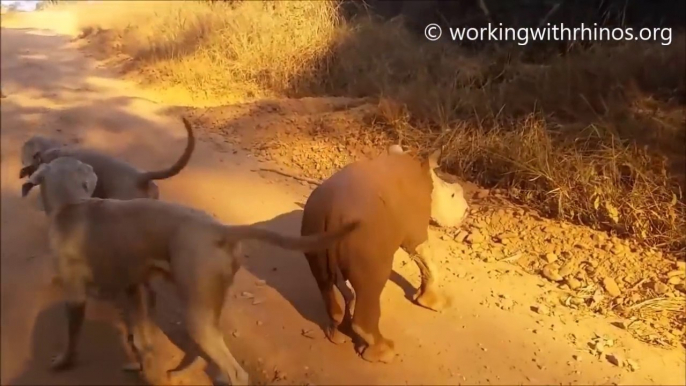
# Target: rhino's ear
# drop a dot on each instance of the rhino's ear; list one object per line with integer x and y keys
{"x": 395, "y": 149}
{"x": 433, "y": 159}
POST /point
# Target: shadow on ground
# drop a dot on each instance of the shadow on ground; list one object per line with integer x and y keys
{"x": 267, "y": 262}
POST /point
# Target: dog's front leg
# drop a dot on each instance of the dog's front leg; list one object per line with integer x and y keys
{"x": 76, "y": 311}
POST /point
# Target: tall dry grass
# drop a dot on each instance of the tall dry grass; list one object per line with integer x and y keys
{"x": 596, "y": 137}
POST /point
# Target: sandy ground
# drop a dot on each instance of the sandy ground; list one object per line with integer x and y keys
{"x": 489, "y": 336}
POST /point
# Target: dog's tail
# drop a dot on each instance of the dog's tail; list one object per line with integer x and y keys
{"x": 309, "y": 243}
{"x": 180, "y": 163}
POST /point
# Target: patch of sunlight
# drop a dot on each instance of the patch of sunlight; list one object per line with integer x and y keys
{"x": 33, "y": 56}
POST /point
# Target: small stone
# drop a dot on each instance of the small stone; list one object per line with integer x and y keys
{"x": 632, "y": 365}
{"x": 541, "y": 309}
{"x": 612, "y": 358}
{"x": 681, "y": 265}
{"x": 550, "y": 257}
{"x": 674, "y": 280}
{"x": 476, "y": 238}
{"x": 506, "y": 304}
{"x": 550, "y": 272}
{"x": 567, "y": 268}
{"x": 660, "y": 287}
{"x": 461, "y": 236}
{"x": 460, "y": 272}
{"x": 482, "y": 193}
{"x": 611, "y": 287}
{"x": 674, "y": 273}
{"x": 573, "y": 283}
{"x": 599, "y": 347}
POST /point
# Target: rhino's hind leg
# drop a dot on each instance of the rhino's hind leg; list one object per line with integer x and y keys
{"x": 428, "y": 295}
{"x": 368, "y": 283}
{"x": 333, "y": 299}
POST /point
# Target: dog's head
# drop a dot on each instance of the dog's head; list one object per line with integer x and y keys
{"x": 32, "y": 154}
{"x": 65, "y": 181}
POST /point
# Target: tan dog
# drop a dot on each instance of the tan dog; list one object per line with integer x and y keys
{"x": 394, "y": 196}
{"x": 116, "y": 179}
{"x": 112, "y": 245}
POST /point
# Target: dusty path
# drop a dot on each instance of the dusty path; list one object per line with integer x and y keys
{"x": 53, "y": 89}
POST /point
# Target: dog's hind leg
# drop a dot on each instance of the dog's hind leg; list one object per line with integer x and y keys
{"x": 204, "y": 300}
{"x": 76, "y": 310}
{"x": 135, "y": 312}
{"x": 204, "y": 329}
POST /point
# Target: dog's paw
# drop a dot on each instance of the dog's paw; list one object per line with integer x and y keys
{"x": 61, "y": 361}
{"x": 335, "y": 335}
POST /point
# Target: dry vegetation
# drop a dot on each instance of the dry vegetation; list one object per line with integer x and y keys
{"x": 596, "y": 137}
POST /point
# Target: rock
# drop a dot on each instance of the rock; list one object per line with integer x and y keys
{"x": 476, "y": 238}
{"x": 550, "y": 272}
{"x": 460, "y": 272}
{"x": 573, "y": 283}
{"x": 674, "y": 280}
{"x": 675, "y": 273}
{"x": 550, "y": 257}
{"x": 660, "y": 287}
{"x": 611, "y": 287}
{"x": 506, "y": 304}
{"x": 681, "y": 265}
{"x": 568, "y": 268}
{"x": 461, "y": 236}
{"x": 599, "y": 347}
{"x": 541, "y": 309}
{"x": 632, "y": 365}
{"x": 482, "y": 193}
{"x": 612, "y": 358}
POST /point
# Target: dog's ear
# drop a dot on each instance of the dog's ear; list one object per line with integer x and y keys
{"x": 36, "y": 177}
{"x": 90, "y": 179}
{"x": 27, "y": 171}
{"x": 26, "y": 188}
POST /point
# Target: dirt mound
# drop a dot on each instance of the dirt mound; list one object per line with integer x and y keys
{"x": 596, "y": 272}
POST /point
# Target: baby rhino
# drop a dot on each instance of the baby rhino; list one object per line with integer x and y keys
{"x": 396, "y": 196}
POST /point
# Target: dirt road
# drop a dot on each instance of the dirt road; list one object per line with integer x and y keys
{"x": 489, "y": 336}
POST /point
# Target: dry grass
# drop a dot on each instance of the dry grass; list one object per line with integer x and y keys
{"x": 596, "y": 137}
